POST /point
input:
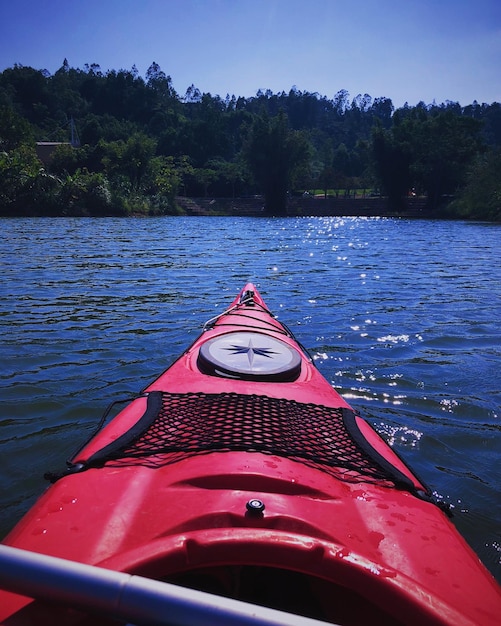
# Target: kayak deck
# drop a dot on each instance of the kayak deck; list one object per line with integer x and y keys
{"x": 257, "y": 481}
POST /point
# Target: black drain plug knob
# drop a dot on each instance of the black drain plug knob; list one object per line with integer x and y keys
{"x": 255, "y": 506}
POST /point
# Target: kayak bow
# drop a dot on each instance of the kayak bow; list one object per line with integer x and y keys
{"x": 241, "y": 472}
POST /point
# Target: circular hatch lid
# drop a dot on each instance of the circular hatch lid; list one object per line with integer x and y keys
{"x": 249, "y": 356}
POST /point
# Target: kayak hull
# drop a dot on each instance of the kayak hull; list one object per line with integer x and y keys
{"x": 332, "y": 540}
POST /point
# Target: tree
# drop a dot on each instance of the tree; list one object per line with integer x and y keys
{"x": 66, "y": 159}
{"x": 392, "y": 166}
{"x": 166, "y": 177}
{"x": 157, "y": 80}
{"x": 14, "y": 129}
{"x": 275, "y": 155}
{"x": 382, "y": 109}
{"x": 442, "y": 146}
{"x": 204, "y": 177}
{"x": 130, "y": 159}
{"x": 227, "y": 173}
{"x": 185, "y": 171}
{"x": 19, "y": 169}
{"x": 85, "y": 193}
{"x": 481, "y": 196}
{"x": 327, "y": 179}
{"x": 28, "y": 93}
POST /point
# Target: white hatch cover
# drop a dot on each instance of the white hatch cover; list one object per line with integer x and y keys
{"x": 249, "y": 356}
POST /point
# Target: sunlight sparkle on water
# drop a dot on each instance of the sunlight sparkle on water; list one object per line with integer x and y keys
{"x": 399, "y": 435}
{"x": 368, "y": 375}
{"x": 497, "y": 546}
{"x": 448, "y": 405}
{"x": 394, "y": 338}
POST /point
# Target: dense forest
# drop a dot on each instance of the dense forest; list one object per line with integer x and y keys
{"x": 139, "y": 146}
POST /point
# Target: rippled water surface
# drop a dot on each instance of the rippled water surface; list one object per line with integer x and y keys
{"x": 401, "y": 316}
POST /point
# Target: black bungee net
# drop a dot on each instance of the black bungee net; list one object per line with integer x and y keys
{"x": 176, "y": 426}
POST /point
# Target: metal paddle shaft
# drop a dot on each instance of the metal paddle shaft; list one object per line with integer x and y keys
{"x": 134, "y": 599}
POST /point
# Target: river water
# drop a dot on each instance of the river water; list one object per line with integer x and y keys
{"x": 401, "y": 316}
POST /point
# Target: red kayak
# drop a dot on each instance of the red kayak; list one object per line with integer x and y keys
{"x": 242, "y": 473}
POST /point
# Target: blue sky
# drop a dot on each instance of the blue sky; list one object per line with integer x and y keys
{"x": 406, "y": 50}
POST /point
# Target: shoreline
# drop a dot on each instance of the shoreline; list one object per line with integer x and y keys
{"x": 299, "y": 206}
{"x": 254, "y": 207}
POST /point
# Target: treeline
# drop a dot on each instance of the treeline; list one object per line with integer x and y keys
{"x": 140, "y": 145}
